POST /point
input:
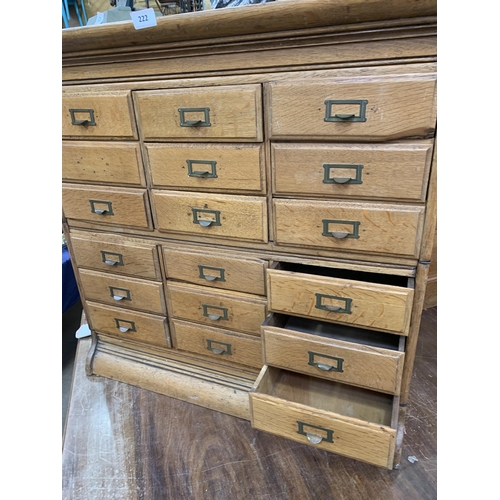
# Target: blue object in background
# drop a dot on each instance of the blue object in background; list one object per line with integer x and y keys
{"x": 70, "y": 293}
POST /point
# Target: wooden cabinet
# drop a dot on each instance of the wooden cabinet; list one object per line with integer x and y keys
{"x": 256, "y": 217}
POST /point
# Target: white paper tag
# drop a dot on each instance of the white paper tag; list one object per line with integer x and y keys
{"x": 83, "y": 331}
{"x": 145, "y": 18}
{"x": 99, "y": 18}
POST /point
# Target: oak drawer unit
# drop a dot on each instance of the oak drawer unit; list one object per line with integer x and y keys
{"x": 250, "y": 210}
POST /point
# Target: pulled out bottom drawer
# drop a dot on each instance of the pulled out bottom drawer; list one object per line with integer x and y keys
{"x": 334, "y": 417}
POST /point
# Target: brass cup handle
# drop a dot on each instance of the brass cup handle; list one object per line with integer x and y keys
{"x": 313, "y": 438}
{"x": 344, "y": 116}
{"x": 341, "y": 180}
{"x": 324, "y": 366}
{"x": 124, "y": 329}
{"x": 204, "y": 223}
{"x": 214, "y": 317}
{"x": 339, "y": 234}
{"x": 110, "y": 262}
{"x": 118, "y": 297}
{"x": 216, "y": 350}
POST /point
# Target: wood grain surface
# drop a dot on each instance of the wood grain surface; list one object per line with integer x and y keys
{"x": 125, "y": 443}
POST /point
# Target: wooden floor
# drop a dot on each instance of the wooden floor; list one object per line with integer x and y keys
{"x": 124, "y": 443}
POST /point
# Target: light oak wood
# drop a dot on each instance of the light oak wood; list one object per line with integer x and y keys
{"x": 228, "y": 310}
{"x": 328, "y": 357}
{"x": 112, "y": 112}
{"x": 218, "y": 344}
{"x": 358, "y": 171}
{"x": 372, "y": 305}
{"x": 115, "y": 254}
{"x": 130, "y": 206}
{"x": 396, "y": 107}
{"x": 359, "y": 420}
{"x": 149, "y": 329}
{"x": 232, "y": 114}
{"x": 218, "y": 168}
{"x": 102, "y": 162}
{"x": 240, "y": 217}
{"x": 125, "y": 292}
{"x": 215, "y": 268}
{"x": 383, "y": 228}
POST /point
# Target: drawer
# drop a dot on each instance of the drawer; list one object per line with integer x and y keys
{"x": 366, "y": 300}
{"x": 207, "y": 215}
{"x": 364, "y": 358}
{"x": 230, "y": 168}
{"x": 356, "y": 108}
{"x": 333, "y": 417}
{"x": 222, "y": 345}
{"x": 227, "y": 113}
{"x": 103, "y": 115}
{"x": 379, "y": 228}
{"x": 115, "y": 254}
{"x": 228, "y": 310}
{"x": 124, "y": 292}
{"x": 102, "y": 162}
{"x": 129, "y": 325}
{"x": 116, "y": 206}
{"x": 233, "y": 271}
{"x": 391, "y": 171}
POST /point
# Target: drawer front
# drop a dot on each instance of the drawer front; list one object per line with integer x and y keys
{"x": 107, "y": 115}
{"x": 231, "y": 310}
{"x": 129, "y": 325}
{"x": 223, "y": 216}
{"x": 231, "y": 113}
{"x": 363, "y": 108}
{"x": 332, "y": 359}
{"x": 115, "y": 206}
{"x": 96, "y": 162}
{"x": 115, "y": 254}
{"x": 392, "y": 171}
{"x": 123, "y": 292}
{"x": 355, "y": 227}
{"x": 216, "y": 343}
{"x": 218, "y": 271}
{"x": 370, "y": 443}
{"x": 366, "y": 305}
{"x": 208, "y": 167}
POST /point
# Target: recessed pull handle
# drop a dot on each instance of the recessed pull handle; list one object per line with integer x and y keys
{"x": 331, "y": 104}
{"x": 195, "y": 123}
{"x": 344, "y": 116}
{"x": 339, "y": 234}
{"x": 313, "y": 438}
{"x": 215, "y": 313}
{"x": 124, "y": 325}
{"x": 110, "y": 262}
{"x": 119, "y": 293}
{"x": 219, "y": 347}
{"x": 90, "y": 121}
{"x": 216, "y": 273}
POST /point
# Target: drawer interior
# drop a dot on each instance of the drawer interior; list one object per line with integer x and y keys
{"x": 341, "y": 399}
{"x": 337, "y": 332}
{"x": 331, "y": 272}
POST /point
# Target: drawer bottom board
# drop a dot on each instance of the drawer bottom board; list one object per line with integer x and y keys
{"x": 214, "y": 388}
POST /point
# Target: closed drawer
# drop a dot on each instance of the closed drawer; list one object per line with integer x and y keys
{"x": 334, "y": 417}
{"x": 392, "y": 171}
{"x": 231, "y": 310}
{"x": 125, "y": 292}
{"x": 232, "y": 271}
{"x": 364, "y": 358}
{"x": 361, "y": 108}
{"x": 231, "y": 113}
{"x": 129, "y": 325}
{"x": 215, "y": 343}
{"x": 341, "y": 297}
{"x": 116, "y": 206}
{"x": 115, "y": 254}
{"x": 207, "y": 215}
{"x": 103, "y": 115}
{"x": 102, "y": 162}
{"x": 208, "y": 167}
{"x": 380, "y": 228}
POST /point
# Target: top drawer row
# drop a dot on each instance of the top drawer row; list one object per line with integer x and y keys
{"x": 363, "y": 108}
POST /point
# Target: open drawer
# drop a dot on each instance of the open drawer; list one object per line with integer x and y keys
{"x": 365, "y": 358}
{"x": 375, "y": 301}
{"x": 334, "y": 417}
